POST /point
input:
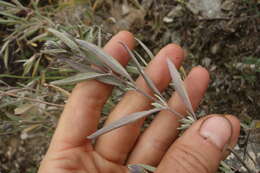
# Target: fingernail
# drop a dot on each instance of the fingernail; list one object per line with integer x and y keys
{"x": 218, "y": 130}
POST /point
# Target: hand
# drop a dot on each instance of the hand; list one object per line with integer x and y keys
{"x": 199, "y": 149}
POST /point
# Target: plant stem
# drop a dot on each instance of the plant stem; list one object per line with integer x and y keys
{"x": 31, "y": 99}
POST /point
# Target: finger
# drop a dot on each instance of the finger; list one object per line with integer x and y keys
{"x": 81, "y": 114}
{"x": 200, "y": 148}
{"x": 116, "y": 145}
{"x": 155, "y": 141}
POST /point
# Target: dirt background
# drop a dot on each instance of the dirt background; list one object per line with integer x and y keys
{"x": 224, "y": 37}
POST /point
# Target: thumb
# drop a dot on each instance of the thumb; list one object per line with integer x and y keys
{"x": 201, "y": 148}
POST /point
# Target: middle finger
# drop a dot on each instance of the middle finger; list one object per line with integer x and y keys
{"x": 116, "y": 145}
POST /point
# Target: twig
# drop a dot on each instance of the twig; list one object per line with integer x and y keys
{"x": 31, "y": 99}
{"x": 63, "y": 91}
{"x": 240, "y": 160}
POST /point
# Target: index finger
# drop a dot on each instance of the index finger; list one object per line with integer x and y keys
{"x": 81, "y": 114}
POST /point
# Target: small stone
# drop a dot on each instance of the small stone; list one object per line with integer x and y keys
{"x": 207, "y": 8}
{"x": 227, "y": 5}
{"x": 167, "y": 19}
{"x": 215, "y": 48}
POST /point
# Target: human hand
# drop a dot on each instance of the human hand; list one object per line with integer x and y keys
{"x": 199, "y": 149}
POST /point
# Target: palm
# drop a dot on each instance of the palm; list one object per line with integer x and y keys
{"x": 81, "y": 159}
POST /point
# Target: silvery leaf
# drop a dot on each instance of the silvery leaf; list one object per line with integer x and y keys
{"x": 108, "y": 79}
{"x": 77, "y": 66}
{"x": 111, "y": 80}
{"x": 148, "y": 81}
{"x": 65, "y": 39}
{"x": 179, "y": 86}
{"x": 105, "y": 58}
{"x": 78, "y": 78}
{"x": 123, "y": 121}
{"x": 143, "y": 167}
{"x": 147, "y": 50}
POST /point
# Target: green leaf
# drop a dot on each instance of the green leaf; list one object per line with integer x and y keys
{"x": 10, "y": 15}
{"x": 105, "y": 58}
{"x": 66, "y": 40}
{"x": 8, "y": 21}
{"x": 29, "y": 64}
{"x": 6, "y": 57}
{"x": 78, "y": 78}
{"x": 3, "y": 3}
{"x": 5, "y": 45}
{"x": 36, "y": 67}
{"x": 40, "y": 37}
{"x": 123, "y": 121}
{"x": 53, "y": 52}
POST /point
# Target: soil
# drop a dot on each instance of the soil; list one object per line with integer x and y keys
{"x": 223, "y": 44}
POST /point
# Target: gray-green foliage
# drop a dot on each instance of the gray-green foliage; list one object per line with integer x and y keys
{"x": 107, "y": 65}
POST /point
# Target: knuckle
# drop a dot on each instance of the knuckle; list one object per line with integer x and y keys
{"x": 189, "y": 160}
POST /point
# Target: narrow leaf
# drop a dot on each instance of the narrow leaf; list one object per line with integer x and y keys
{"x": 91, "y": 58}
{"x": 5, "y": 52}
{"x": 53, "y": 52}
{"x": 111, "y": 80}
{"x": 8, "y": 22}
{"x": 123, "y": 121}
{"x": 78, "y": 78}
{"x": 23, "y": 109}
{"x": 29, "y": 64}
{"x": 6, "y": 57}
{"x": 4, "y": 46}
{"x": 39, "y": 38}
{"x": 77, "y": 66}
{"x": 179, "y": 87}
{"x": 18, "y": 4}
{"x": 147, "y": 50}
{"x": 99, "y": 37}
{"x": 66, "y": 40}
{"x": 148, "y": 81}
{"x": 105, "y": 58}
{"x": 146, "y": 167}
{"x": 3, "y": 3}
{"x": 10, "y": 15}
{"x": 36, "y": 67}
{"x": 141, "y": 58}
{"x": 136, "y": 169}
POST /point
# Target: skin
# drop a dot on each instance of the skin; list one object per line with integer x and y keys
{"x": 158, "y": 146}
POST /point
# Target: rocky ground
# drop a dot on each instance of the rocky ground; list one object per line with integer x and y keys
{"x": 221, "y": 35}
